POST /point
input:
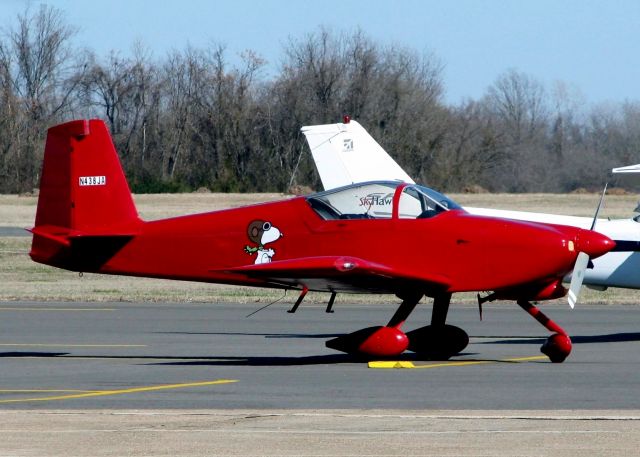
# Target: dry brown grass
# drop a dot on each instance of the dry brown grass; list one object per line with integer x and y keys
{"x": 22, "y": 279}
{"x": 19, "y": 211}
{"x": 615, "y": 206}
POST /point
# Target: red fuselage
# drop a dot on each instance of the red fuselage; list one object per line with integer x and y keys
{"x": 386, "y": 237}
{"x": 468, "y": 253}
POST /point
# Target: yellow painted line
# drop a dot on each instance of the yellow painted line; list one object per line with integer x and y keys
{"x": 391, "y": 364}
{"x": 459, "y": 363}
{"x": 57, "y": 309}
{"x": 46, "y": 345}
{"x": 526, "y": 359}
{"x": 104, "y": 393}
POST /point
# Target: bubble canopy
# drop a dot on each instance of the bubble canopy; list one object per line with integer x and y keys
{"x": 378, "y": 199}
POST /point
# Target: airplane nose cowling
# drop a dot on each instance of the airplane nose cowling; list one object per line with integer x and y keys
{"x": 593, "y": 243}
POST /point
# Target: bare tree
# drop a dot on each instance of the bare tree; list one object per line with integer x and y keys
{"x": 43, "y": 70}
{"x": 109, "y": 87}
{"x": 39, "y": 76}
{"x": 518, "y": 105}
{"x": 519, "y": 101}
{"x": 192, "y": 119}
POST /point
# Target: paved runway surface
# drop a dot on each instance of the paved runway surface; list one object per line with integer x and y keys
{"x": 13, "y": 231}
{"x": 317, "y": 433}
{"x": 198, "y": 356}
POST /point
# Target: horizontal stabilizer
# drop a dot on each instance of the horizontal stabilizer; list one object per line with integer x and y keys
{"x": 64, "y": 236}
{"x": 74, "y": 250}
{"x": 628, "y": 169}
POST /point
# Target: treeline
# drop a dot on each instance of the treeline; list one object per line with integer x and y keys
{"x": 191, "y": 119}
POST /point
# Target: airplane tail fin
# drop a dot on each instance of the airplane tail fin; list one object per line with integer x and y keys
{"x": 83, "y": 190}
{"x": 345, "y": 153}
{"x": 83, "y": 187}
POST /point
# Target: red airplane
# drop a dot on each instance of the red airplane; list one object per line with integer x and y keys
{"x": 376, "y": 237}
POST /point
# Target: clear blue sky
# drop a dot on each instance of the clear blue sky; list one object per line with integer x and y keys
{"x": 592, "y": 45}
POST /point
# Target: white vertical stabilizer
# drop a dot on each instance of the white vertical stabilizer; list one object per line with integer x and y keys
{"x": 347, "y": 154}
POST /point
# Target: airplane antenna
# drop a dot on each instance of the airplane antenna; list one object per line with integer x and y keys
{"x": 266, "y": 306}
{"x": 295, "y": 169}
{"x": 595, "y": 216}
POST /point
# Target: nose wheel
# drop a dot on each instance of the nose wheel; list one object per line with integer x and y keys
{"x": 558, "y": 346}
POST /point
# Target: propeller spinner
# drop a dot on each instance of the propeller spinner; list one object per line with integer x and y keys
{"x": 590, "y": 244}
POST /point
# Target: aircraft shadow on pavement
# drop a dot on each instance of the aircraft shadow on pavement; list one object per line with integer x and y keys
{"x": 575, "y": 339}
{"x": 328, "y": 359}
{"x": 266, "y": 335}
{"x": 33, "y": 354}
{"x": 211, "y": 360}
{"x": 325, "y": 359}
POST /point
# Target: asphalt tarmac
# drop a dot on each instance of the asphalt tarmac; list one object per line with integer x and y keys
{"x": 13, "y": 231}
{"x": 132, "y": 356}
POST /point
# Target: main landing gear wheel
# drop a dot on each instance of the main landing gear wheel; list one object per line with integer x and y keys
{"x": 438, "y": 342}
{"x": 379, "y": 342}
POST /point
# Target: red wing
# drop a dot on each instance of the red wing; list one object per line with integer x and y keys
{"x": 340, "y": 273}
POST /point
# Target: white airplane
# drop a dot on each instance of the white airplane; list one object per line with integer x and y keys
{"x": 345, "y": 153}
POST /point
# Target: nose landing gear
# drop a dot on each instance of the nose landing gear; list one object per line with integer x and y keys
{"x": 558, "y": 346}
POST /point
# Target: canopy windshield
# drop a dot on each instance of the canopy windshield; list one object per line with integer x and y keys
{"x": 421, "y": 202}
{"x": 374, "y": 200}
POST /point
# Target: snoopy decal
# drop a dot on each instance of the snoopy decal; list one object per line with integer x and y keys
{"x": 261, "y": 233}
